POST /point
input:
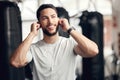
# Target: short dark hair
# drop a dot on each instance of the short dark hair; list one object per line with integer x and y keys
{"x": 44, "y": 6}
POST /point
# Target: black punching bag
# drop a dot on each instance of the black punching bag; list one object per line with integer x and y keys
{"x": 62, "y": 13}
{"x": 10, "y": 38}
{"x": 92, "y": 26}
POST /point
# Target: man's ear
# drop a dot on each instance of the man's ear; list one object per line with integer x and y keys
{"x": 59, "y": 21}
{"x": 59, "y": 24}
{"x": 39, "y": 23}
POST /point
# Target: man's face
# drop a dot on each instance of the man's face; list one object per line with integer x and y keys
{"x": 49, "y": 21}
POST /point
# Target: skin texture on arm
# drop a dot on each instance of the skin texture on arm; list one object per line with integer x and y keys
{"x": 85, "y": 47}
{"x": 18, "y": 59}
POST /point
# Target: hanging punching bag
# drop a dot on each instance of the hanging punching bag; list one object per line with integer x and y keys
{"x": 62, "y": 13}
{"x": 10, "y": 38}
{"x": 92, "y": 27}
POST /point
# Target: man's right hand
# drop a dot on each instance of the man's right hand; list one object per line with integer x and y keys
{"x": 34, "y": 28}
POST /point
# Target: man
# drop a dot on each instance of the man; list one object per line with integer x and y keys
{"x": 54, "y": 57}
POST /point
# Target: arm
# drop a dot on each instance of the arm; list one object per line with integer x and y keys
{"x": 85, "y": 47}
{"x": 18, "y": 59}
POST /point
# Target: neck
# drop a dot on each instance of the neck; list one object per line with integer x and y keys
{"x": 51, "y": 39}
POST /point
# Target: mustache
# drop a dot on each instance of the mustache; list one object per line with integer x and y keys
{"x": 51, "y": 24}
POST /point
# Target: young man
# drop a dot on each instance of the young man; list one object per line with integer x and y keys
{"x": 54, "y": 57}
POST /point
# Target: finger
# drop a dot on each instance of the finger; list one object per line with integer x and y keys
{"x": 38, "y": 26}
{"x": 61, "y": 21}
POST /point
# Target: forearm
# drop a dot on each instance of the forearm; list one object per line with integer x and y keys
{"x": 86, "y": 47}
{"x": 18, "y": 58}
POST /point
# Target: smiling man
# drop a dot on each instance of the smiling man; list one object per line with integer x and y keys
{"x": 54, "y": 57}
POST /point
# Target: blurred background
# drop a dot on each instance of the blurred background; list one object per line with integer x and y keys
{"x": 99, "y": 20}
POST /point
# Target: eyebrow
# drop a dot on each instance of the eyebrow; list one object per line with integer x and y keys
{"x": 50, "y": 15}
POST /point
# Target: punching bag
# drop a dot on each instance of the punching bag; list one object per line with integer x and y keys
{"x": 10, "y": 38}
{"x": 92, "y": 28}
{"x": 63, "y": 13}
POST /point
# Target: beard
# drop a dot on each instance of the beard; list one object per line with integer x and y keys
{"x": 45, "y": 31}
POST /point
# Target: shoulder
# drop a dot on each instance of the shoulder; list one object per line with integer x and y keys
{"x": 36, "y": 44}
{"x": 69, "y": 40}
{"x": 64, "y": 39}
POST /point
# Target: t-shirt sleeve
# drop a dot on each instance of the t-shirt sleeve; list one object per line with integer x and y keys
{"x": 73, "y": 43}
{"x": 29, "y": 56}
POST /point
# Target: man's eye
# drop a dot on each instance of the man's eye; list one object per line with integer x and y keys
{"x": 53, "y": 16}
{"x": 43, "y": 18}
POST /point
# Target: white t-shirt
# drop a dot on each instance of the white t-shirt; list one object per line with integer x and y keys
{"x": 53, "y": 61}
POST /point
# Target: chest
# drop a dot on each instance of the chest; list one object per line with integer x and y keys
{"x": 51, "y": 55}
{"x": 53, "y": 59}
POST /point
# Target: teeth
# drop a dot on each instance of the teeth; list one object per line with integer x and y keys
{"x": 51, "y": 27}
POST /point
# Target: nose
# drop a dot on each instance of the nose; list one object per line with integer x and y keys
{"x": 50, "y": 20}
